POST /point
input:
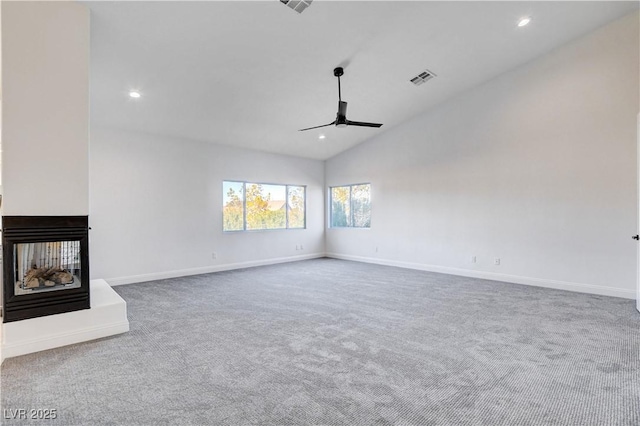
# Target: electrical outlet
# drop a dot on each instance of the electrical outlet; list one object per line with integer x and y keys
{"x": 301, "y": 248}
{"x": 473, "y": 259}
{"x": 376, "y": 249}
{"x": 297, "y": 247}
{"x": 214, "y": 255}
{"x": 497, "y": 261}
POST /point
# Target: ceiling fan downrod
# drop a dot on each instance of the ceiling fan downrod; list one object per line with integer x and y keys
{"x": 338, "y": 72}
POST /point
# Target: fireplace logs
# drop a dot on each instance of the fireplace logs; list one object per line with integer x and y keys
{"x": 38, "y": 277}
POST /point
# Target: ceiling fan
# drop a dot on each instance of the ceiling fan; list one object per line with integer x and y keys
{"x": 341, "y": 118}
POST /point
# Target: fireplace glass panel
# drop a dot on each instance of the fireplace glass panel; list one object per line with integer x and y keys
{"x": 47, "y": 266}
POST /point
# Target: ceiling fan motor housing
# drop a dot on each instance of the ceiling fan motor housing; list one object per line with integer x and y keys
{"x": 341, "y": 117}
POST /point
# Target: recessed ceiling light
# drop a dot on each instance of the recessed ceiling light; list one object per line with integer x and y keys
{"x": 134, "y": 94}
{"x": 524, "y": 21}
{"x": 321, "y": 137}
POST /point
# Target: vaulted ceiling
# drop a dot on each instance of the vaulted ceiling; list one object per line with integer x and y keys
{"x": 250, "y": 74}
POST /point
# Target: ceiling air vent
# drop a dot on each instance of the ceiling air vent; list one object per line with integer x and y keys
{"x": 297, "y": 5}
{"x": 423, "y": 77}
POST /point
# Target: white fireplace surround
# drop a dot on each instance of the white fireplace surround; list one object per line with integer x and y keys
{"x": 107, "y": 317}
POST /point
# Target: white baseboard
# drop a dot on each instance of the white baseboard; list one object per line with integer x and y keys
{"x": 207, "y": 269}
{"x": 107, "y": 316}
{"x": 515, "y": 279}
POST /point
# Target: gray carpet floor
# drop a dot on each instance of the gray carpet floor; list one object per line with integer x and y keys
{"x": 343, "y": 343}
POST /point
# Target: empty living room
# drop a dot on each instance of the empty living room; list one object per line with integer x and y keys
{"x": 299, "y": 212}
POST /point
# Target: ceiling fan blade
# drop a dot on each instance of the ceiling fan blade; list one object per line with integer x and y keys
{"x": 317, "y": 127}
{"x": 362, "y": 124}
{"x": 342, "y": 108}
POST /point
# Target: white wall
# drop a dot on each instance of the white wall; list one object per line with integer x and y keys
{"x": 536, "y": 167}
{"x": 45, "y": 108}
{"x": 156, "y": 207}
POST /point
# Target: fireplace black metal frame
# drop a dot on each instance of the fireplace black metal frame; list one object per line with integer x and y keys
{"x": 34, "y": 229}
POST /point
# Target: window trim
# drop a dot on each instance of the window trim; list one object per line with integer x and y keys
{"x": 351, "y": 212}
{"x": 244, "y": 207}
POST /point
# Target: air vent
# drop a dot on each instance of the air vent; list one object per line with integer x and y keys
{"x": 297, "y": 5}
{"x": 423, "y": 77}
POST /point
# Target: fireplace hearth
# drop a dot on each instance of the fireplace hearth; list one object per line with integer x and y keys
{"x": 46, "y": 265}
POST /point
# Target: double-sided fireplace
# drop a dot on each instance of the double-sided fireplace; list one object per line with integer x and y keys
{"x": 46, "y": 265}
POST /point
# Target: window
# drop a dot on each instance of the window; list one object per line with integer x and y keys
{"x": 248, "y": 206}
{"x": 350, "y": 206}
